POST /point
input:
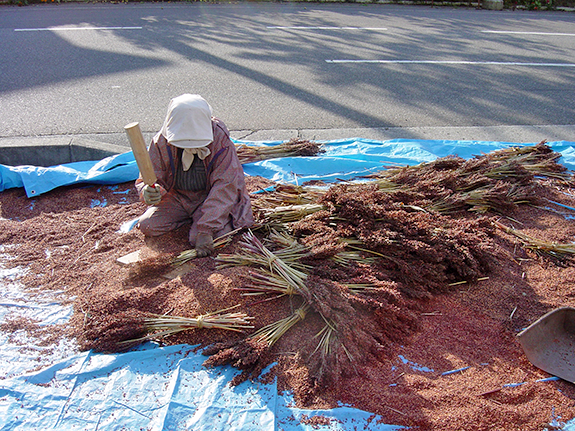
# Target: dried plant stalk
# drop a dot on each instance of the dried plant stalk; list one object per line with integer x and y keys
{"x": 512, "y": 152}
{"x": 270, "y": 334}
{"x": 294, "y": 147}
{"x": 556, "y": 250}
{"x": 360, "y": 287}
{"x": 289, "y": 213}
{"x": 289, "y": 194}
{"x": 346, "y": 258}
{"x": 187, "y": 255}
{"x": 264, "y": 282}
{"x": 160, "y": 326}
{"x": 483, "y": 200}
{"x": 539, "y": 160}
{"x": 291, "y": 251}
{"x": 284, "y": 240}
{"x": 254, "y": 253}
{"x": 169, "y": 325}
{"x": 326, "y": 339}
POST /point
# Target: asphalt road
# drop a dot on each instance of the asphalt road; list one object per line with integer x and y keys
{"x": 93, "y": 68}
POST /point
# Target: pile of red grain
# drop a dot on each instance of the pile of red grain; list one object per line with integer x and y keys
{"x": 451, "y": 294}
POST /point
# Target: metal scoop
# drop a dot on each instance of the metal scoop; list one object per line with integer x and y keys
{"x": 549, "y": 343}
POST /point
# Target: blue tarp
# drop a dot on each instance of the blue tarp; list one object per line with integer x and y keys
{"x": 167, "y": 388}
{"x": 343, "y": 160}
{"x": 37, "y": 180}
{"x": 155, "y": 389}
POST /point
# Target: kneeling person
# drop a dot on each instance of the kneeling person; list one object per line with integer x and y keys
{"x": 200, "y": 178}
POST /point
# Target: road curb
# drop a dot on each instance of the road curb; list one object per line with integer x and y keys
{"x": 53, "y": 150}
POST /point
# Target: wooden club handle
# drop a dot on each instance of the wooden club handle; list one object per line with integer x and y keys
{"x": 141, "y": 153}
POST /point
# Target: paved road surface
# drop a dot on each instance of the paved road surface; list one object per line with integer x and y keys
{"x": 329, "y": 69}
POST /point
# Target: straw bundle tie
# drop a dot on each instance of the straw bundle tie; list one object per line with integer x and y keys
{"x": 200, "y": 322}
{"x": 291, "y": 290}
{"x": 301, "y": 312}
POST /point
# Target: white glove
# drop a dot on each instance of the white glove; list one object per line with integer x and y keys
{"x": 151, "y": 195}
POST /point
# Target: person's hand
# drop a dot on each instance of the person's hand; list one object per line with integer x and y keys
{"x": 152, "y": 194}
{"x": 204, "y": 244}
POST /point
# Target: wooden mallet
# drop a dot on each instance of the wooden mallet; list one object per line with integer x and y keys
{"x": 141, "y": 153}
{"x": 148, "y": 175}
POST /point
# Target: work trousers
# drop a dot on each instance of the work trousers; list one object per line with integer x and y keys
{"x": 175, "y": 211}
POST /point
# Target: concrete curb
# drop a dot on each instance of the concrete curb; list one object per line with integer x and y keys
{"x": 53, "y": 150}
{"x": 60, "y": 149}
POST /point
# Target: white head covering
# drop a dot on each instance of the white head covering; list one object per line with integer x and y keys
{"x": 188, "y": 125}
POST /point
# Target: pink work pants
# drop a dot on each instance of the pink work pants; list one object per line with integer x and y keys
{"x": 176, "y": 210}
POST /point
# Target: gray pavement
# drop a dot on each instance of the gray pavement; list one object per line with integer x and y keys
{"x": 57, "y": 149}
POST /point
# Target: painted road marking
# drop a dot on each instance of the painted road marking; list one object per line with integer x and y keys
{"x": 527, "y": 32}
{"x": 77, "y": 28}
{"x": 299, "y": 27}
{"x": 456, "y": 62}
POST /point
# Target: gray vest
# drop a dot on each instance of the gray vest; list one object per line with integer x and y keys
{"x": 194, "y": 179}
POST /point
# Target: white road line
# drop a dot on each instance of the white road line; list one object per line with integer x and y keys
{"x": 457, "y": 62}
{"x": 324, "y": 28}
{"x": 527, "y": 32}
{"x": 76, "y": 28}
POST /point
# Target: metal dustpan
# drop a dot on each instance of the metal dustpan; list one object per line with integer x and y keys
{"x": 549, "y": 343}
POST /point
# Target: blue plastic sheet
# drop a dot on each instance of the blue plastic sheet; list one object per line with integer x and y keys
{"x": 37, "y": 180}
{"x": 156, "y": 389}
{"x": 342, "y": 160}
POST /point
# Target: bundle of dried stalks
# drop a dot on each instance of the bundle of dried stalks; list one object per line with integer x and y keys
{"x": 289, "y": 194}
{"x": 190, "y": 254}
{"x": 495, "y": 182}
{"x": 288, "y": 249}
{"x": 539, "y": 160}
{"x": 261, "y": 282}
{"x": 499, "y": 198}
{"x": 357, "y": 254}
{"x": 519, "y": 151}
{"x": 254, "y": 253}
{"x": 292, "y": 148}
{"x": 270, "y": 334}
{"x": 159, "y": 326}
{"x": 288, "y": 214}
{"x": 560, "y": 251}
